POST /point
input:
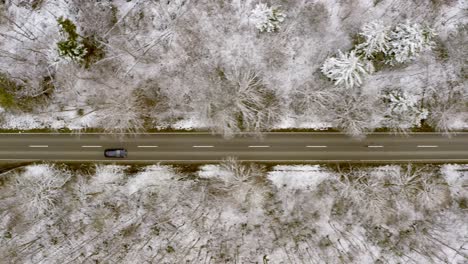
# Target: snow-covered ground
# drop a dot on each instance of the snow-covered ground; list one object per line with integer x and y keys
{"x": 456, "y": 176}
{"x": 297, "y": 177}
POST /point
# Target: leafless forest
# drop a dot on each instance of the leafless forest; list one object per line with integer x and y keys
{"x": 234, "y": 213}
{"x": 235, "y": 65}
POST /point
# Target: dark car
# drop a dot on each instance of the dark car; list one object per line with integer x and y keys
{"x": 115, "y": 153}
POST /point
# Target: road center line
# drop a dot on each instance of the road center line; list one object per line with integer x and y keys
{"x": 427, "y": 146}
{"x": 147, "y": 146}
{"x": 203, "y": 146}
{"x": 316, "y": 146}
{"x": 38, "y": 146}
{"x": 91, "y": 146}
{"x": 375, "y": 146}
{"x": 259, "y": 146}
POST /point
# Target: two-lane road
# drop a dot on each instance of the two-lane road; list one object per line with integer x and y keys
{"x": 204, "y": 147}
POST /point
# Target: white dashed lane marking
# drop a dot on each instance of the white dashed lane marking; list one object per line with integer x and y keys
{"x": 375, "y": 146}
{"x": 38, "y": 146}
{"x": 316, "y": 146}
{"x": 427, "y": 146}
{"x": 203, "y": 146}
{"x": 147, "y": 146}
{"x": 259, "y": 146}
{"x": 91, "y": 146}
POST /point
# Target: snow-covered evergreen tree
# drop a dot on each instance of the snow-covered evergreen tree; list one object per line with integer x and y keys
{"x": 376, "y": 39}
{"x": 347, "y": 69}
{"x": 408, "y": 40}
{"x": 267, "y": 18}
{"x": 401, "y": 101}
{"x": 403, "y": 111}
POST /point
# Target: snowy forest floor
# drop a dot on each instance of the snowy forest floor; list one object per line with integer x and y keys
{"x": 234, "y": 213}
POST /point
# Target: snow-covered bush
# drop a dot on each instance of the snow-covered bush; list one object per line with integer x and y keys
{"x": 402, "y": 111}
{"x": 347, "y": 69}
{"x": 376, "y": 39}
{"x": 408, "y": 40}
{"x": 108, "y": 174}
{"x": 267, "y": 18}
{"x": 401, "y": 101}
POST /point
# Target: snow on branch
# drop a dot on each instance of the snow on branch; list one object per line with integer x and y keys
{"x": 408, "y": 40}
{"x": 376, "y": 39}
{"x": 267, "y": 19}
{"x": 236, "y": 99}
{"x": 40, "y": 187}
{"x": 347, "y": 69}
{"x": 403, "y": 111}
{"x": 355, "y": 115}
{"x": 402, "y": 101}
{"x": 402, "y": 44}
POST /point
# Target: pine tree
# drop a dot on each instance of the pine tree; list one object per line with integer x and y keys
{"x": 376, "y": 39}
{"x": 407, "y": 41}
{"x": 70, "y": 47}
{"x": 267, "y": 18}
{"x": 347, "y": 69}
{"x": 403, "y": 111}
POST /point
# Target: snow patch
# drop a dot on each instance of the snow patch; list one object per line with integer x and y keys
{"x": 213, "y": 171}
{"x": 297, "y": 177}
{"x": 108, "y": 174}
{"x": 151, "y": 176}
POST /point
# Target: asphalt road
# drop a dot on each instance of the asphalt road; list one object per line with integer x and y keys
{"x": 204, "y": 147}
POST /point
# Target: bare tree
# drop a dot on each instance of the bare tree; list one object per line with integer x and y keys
{"x": 239, "y": 172}
{"x": 365, "y": 193}
{"x": 24, "y": 50}
{"x": 444, "y": 107}
{"x": 95, "y": 18}
{"x": 243, "y": 182}
{"x": 236, "y": 100}
{"x": 40, "y": 187}
{"x": 313, "y": 99}
{"x": 354, "y": 114}
{"x": 113, "y": 101}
